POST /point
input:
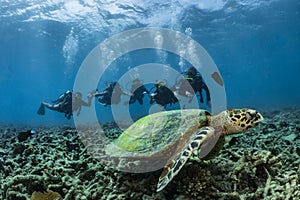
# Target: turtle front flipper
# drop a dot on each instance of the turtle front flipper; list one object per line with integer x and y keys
{"x": 175, "y": 164}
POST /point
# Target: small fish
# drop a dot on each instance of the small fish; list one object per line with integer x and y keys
{"x": 217, "y": 78}
{"x": 22, "y": 136}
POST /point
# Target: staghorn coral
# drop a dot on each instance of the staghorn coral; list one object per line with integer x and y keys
{"x": 18, "y": 185}
{"x": 261, "y": 164}
{"x": 194, "y": 181}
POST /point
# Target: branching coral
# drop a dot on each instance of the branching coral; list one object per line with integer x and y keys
{"x": 193, "y": 181}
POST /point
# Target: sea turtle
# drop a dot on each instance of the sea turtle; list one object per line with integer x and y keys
{"x": 169, "y": 138}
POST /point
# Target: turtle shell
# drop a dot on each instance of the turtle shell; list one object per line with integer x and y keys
{"x": 158, "y": 132}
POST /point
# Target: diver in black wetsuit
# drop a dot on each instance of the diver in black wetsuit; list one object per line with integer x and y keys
{"x": 163, "y": 95}
{"x": 111, "y": 94}
{"x": 138, "y": 91}
{"x": 67, "y": 103}
{"x": 193, "y": 78}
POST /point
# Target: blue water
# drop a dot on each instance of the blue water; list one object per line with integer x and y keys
{"x": 254, "y": 44}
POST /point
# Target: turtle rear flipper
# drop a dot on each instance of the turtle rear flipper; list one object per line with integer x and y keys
{"x": 175, "y": 164}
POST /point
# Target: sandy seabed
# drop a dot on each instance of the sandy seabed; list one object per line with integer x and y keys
{"x": 55, "y": 164}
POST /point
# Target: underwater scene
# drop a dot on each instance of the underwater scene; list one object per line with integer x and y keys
{"x": 149, "y": 100}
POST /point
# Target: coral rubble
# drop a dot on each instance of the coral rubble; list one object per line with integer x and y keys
{"x": 55, "y": 164}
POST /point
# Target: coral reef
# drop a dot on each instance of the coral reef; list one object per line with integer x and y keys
{"x": 261, "y": 164}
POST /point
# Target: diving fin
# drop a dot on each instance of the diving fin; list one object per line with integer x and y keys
{"x": 41, "y": 110}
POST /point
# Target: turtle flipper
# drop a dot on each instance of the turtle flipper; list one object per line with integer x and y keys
{"x": 175, "y": 164}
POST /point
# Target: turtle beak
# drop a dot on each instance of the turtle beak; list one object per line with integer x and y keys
{"x": 258, "y": 118}
{"x": 255, "y": 117}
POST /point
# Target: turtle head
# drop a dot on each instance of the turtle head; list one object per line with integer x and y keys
{"x": 241, "y": 120}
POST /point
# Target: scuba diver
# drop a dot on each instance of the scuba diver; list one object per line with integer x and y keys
{"x": 163, "y": 95}
{"x": 67, "y": 103}
{"x": 111, "y": 94}
{"x": 138, "y": 91}
{"x": 194, "y": 79}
